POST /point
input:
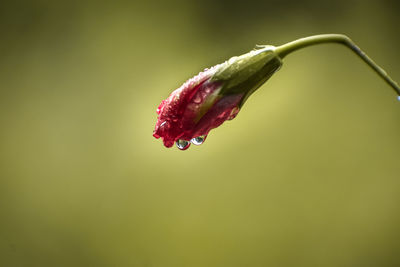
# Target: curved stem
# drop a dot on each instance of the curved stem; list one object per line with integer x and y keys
{"x": 288, "y": 48}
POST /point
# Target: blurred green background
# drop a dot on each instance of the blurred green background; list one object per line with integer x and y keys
{"x": 306, "y": 175}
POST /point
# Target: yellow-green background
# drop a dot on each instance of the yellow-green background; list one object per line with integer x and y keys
{"x": 308, "y": 174}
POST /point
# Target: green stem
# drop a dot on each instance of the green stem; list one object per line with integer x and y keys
{"x": 288, "y": 48}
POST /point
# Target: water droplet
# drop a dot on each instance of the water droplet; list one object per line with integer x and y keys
{"x": 233, "y": 114}
{"x": 159, "y": 109}
{"x": 398, "y": 98}
{"x": 182, "y": 144}
{"x": 198, "y": 140}
{"x": 197, "y": 99}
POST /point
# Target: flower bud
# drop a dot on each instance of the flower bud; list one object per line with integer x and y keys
{"x": 213, "y": 96}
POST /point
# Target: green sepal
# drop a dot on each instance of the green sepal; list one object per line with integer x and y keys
{"x": 246, "y": 73}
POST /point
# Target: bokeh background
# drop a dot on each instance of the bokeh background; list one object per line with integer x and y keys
{"x": 308, "y": 174}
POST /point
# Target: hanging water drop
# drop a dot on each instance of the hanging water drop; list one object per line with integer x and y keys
{"x": 198, "y": 140}
{"x": 182, "y": 144}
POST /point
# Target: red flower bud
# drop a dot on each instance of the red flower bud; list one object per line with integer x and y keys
{"x": 212, "y": 97}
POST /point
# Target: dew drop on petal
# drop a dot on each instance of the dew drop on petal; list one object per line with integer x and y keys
{"x": 197, "y": 99}
{"x": 182, "y": 144}
{"x": 233, "y": 114}
{"x": 198, "y": 140}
